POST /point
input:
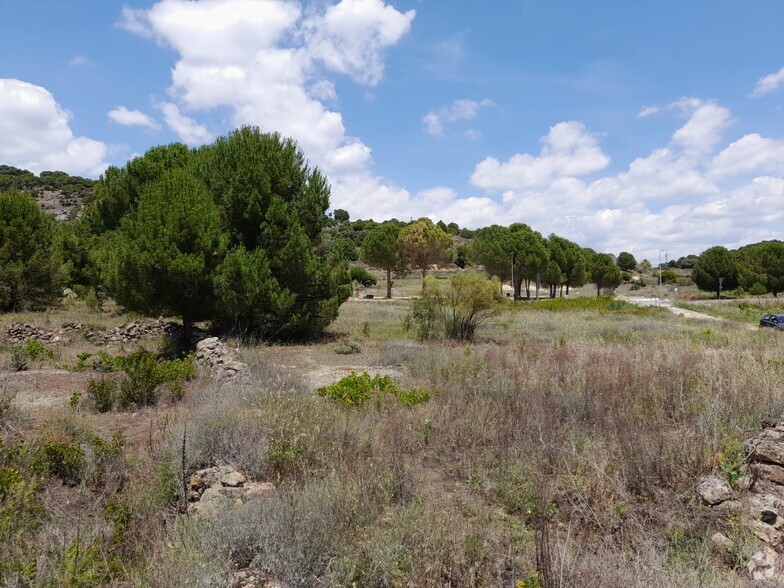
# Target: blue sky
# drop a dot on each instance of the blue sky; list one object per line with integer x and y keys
{"x": 622, "y": 125}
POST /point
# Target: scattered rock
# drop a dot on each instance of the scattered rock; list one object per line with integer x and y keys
{"x": 714, "y": 490}
{"x": 213, "y": 490}
{"x": 721, "y": 542}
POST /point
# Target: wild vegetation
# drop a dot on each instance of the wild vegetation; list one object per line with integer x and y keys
{"x": 457, "y": 439}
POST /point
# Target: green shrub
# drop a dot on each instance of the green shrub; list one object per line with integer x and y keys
{"x": 102, "y": 393}
{"x": 62, "y": 458}
{"x": 357, "y": 389}
{"x": 469, "y": 301}
{"x": 144, "y": 372}
{"x": 22, "y": 355}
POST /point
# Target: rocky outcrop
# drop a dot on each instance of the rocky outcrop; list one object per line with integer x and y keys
{"x": 213, "y": 490}
{"x": 757, "y": 501}
{"x": 221, "y": 361}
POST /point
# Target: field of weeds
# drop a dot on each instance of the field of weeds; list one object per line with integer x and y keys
{"x": 561, "y": 448}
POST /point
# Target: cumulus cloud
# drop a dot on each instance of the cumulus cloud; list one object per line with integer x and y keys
{"x": 268, "y": 63}
{"x": 435, "y": 121}
{"x": 567, "y": 150}
{"x": 132, "y": 118}
{"x": 768, "y": 83}
{"x": 350, "y": 37}
{"x": 188, "y": 129}
{"x": 35, "y": 133}
{"x": 751, "y": 154}
{"x": 680, "y": 197}
{"x": 702, "y": 132}
{"x": 272, "y": 63}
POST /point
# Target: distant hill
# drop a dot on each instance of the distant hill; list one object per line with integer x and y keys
{"x": 57, "y": 192}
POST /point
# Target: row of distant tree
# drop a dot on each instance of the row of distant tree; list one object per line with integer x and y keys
{"x": 21, "y": 179}
{"x": 237, "y": 232}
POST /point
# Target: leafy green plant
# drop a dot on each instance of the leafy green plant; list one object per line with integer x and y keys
{"x": 102, "y": 393}
{"x": 62, "y": 458}
{"x": 357, "y": 389}
{"x": 22, "y": 355}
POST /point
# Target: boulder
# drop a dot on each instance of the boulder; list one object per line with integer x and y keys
{"x": 765, "y": 565}
{"x": 714, "y": 490}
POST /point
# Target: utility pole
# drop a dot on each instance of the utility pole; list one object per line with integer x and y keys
{"x": 513, "y": 282}
{"x": 661, "y": 289}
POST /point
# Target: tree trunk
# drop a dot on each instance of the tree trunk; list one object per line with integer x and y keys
{"x": 187, "y": 331}
{"x": 567, "y": 288}
{"x": 598, "y": 290}
{"x": 424, "y": 273}
{"x": 389, "y": 282}
{"x": 518, "y": 286}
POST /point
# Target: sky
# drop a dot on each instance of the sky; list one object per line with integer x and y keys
{"x": 650, "y": 127}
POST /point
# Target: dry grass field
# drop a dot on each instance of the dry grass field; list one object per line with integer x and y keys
{"x": 561, "y": 448}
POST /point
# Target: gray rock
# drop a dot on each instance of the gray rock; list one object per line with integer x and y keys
{"x": 765, "y": 565}
{"x": 714, "y": 490}
{"x": 233, "y": 479}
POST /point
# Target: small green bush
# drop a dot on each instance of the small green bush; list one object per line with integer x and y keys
{"x": 357, "y": 389}
{"x": 102, "y": 393}
{"x": 62, "y": 458}
{"x": 143, "y": 373}
{"x": 23, "y": 355}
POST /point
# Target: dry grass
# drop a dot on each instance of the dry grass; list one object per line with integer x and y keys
{"x": 562, "y": 449}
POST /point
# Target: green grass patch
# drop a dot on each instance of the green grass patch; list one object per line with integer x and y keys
{"x": 602, "y": 305}
{"x": 358, "y": 389}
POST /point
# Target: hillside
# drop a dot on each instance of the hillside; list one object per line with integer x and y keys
{"x": 57, "y": 192}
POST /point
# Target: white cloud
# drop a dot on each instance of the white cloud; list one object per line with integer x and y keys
{"x": 132, "y": 118}
{"x": 750, "y": 154}
{"x": 350, "y": 37}
{"x": 702, "y": 132}
{"x": 186, "y": 128}
{"x": 623, "y": 210}
{"x": 266, "y": 63}
{"x": 135, "y": 21}
{"x": 648, "y": 111}
{"x": 768, "y": 83}
{"x": 272, "y": 63}
{"x": 80, "y": 61}
{"x": 435, "y": 121}
{"x": 35, "y": 133}
{"x": 567, "y": 150}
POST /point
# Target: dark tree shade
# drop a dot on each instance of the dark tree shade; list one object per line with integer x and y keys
{"x": 162, "y": 257}
{"x": 714, "y": 263}
{"x": 340, "y": 215}
{"x": 604, "y": 272}
{"x": 266, "y": 208}
{"x": 626, "y": 261}
{"x": 382, "y": 249}
{"x": 31, "y": 272}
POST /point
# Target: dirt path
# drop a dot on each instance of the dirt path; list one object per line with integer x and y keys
{"x": 683, "y": 312}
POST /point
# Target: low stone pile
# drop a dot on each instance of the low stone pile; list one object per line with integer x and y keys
{"x": 220, "y": 359}
{"x": 215, "y": 489}
{"x": 22, "y": 333}
{"x": 757, "y": 501}
{"x": 127, "y": 333}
